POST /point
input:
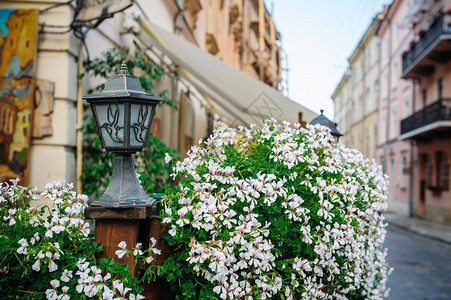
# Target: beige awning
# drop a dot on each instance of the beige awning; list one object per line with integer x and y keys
{"x": 245, "y": 99}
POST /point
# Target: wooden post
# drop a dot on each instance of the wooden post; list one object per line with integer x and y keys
{"x": 132, "y": 225}
{"x": 114, "y": 225}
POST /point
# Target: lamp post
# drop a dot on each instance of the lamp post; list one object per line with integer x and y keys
{"x": 322, "y": 120}
{"x": 123, "y": 114}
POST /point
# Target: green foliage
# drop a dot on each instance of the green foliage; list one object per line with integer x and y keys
{"x": 48, "y": 252}
{"x": 97, "y": 164}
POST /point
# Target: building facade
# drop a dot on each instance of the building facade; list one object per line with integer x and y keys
{"x": 357, "y": 93}
{"x": 427, "y": 124}
{"x": 394, "y": 104}
{"x": 201, "y": 46}
{"x": 411, "y": 82}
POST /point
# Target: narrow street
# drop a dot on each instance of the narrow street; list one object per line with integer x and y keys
{"x": 422, "y": 266}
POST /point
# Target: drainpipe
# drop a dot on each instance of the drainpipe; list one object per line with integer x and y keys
{"x": 412, "y": 144}
{"x": 387, "y": 128}
{"x": 261, "y": 35}
{"x": 79, "y": 119}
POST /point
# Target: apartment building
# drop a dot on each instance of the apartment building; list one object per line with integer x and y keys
{"x": 221, "y": 61}
{"x": 426, "y": 123}
{"x": 356, "y": 95}
{"x": 394, "y": 104}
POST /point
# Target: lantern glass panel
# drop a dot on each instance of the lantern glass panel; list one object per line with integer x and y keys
{"x": 140, "y": 117}
{"x": 111, "y": 123}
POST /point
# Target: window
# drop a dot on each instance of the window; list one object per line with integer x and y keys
{"x": 385, "y": 86}
{"x": 377, "y": 91}
{"x": 442, "y": 170}
{"x": 395, "y": 35}
{"x": 395, "y": 75}
{"x": 362, "y": 107}
{"x": 404, "y": 169}
{"x": 382, "y": 162}
{"x": 383, "y": 124}
{"x": 375, "y": 135}
{"x": 393, "y": 119}
{"x": 360, "y": 138}
{"x": 424, "y": 97}
{"x": 406, "y": 103}
{"x": 440, "y": 88}
{"x": 368, "y": 100}
{"x": 378, "y": 49}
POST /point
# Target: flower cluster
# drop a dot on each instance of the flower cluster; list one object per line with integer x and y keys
{"x": 277, "y": 213}
{"x": 50, "y": 250}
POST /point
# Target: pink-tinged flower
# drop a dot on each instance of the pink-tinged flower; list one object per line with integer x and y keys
{"x": 107, "y": 294}
{"x": 167, "y": 158}
{"x": 35, "y": 238}
{"x": 64, "y": 296}
{"x": 119, "y": 286}
{"x": 52, "y": 265}
{"x": 66, "y": 276}
{"x": 137, "y": 297}
{"x": 123, "y": 251}
{"x": 52, "y": 294}
{"x": 23, "y": 247}
{"x": 83, "y": 199}
{"x": 173, "y": 230}
{"x": 137, "y": 250}
{"x": 37, "y": 265}
{"x": 15, "y": 181}
{"x": 153, "y": 250}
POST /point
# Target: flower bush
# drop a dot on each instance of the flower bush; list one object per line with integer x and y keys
{"x": 53, "y": 257}
{"x": 280, "y": 212}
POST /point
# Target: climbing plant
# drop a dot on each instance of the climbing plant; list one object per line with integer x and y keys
{"x": 97, "y": 164}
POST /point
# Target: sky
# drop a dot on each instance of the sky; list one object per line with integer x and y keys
{"x": 318, "y": 37}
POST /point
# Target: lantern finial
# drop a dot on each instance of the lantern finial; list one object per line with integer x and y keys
{"x": 124, "y": 68}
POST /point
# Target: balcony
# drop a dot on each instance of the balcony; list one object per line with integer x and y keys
{"x": 432, "y": 48}
{"x": 433, "y": 120}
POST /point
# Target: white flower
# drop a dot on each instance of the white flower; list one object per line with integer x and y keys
{"x": 167, "y": 158}
{"x": 35, "y": 238}
{"x": 37, "y": 265}
{"x": 23, "y": 248}
{"x": 137, "y": 297}
{"x": 120, "y": 253}
{"x": 64, "y": 296}
{"x": 66, "y": 276}
{"x": 137, "y": 250}
{"x": 52, "y": 293}
{"x": 173, "y": 230}
{"x": 119, "y": 286}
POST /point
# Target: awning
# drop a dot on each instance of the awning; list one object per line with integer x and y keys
{"x": 247, "y": 100}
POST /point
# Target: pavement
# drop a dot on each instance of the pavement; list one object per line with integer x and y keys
{"x": 419, "y": 226}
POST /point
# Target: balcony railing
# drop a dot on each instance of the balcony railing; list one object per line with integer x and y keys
{"x": 418, "y": 49}
{"x": 437, "y": 111}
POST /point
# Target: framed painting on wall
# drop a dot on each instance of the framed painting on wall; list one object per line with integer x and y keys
{"x": 18, "y": 46}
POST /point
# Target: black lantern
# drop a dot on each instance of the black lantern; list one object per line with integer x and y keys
{"x": 322, "y": 120}
{"x": 123, "y": 113}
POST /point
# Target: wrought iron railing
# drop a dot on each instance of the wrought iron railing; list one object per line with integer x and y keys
{"x": 427, "y": 38}
{"x": 438, "y": 111}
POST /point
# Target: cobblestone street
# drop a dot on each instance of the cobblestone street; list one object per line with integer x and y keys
{"x": 422, "y": 266}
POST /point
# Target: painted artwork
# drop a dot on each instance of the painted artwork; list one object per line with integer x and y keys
{"x": 18, "y": 42}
